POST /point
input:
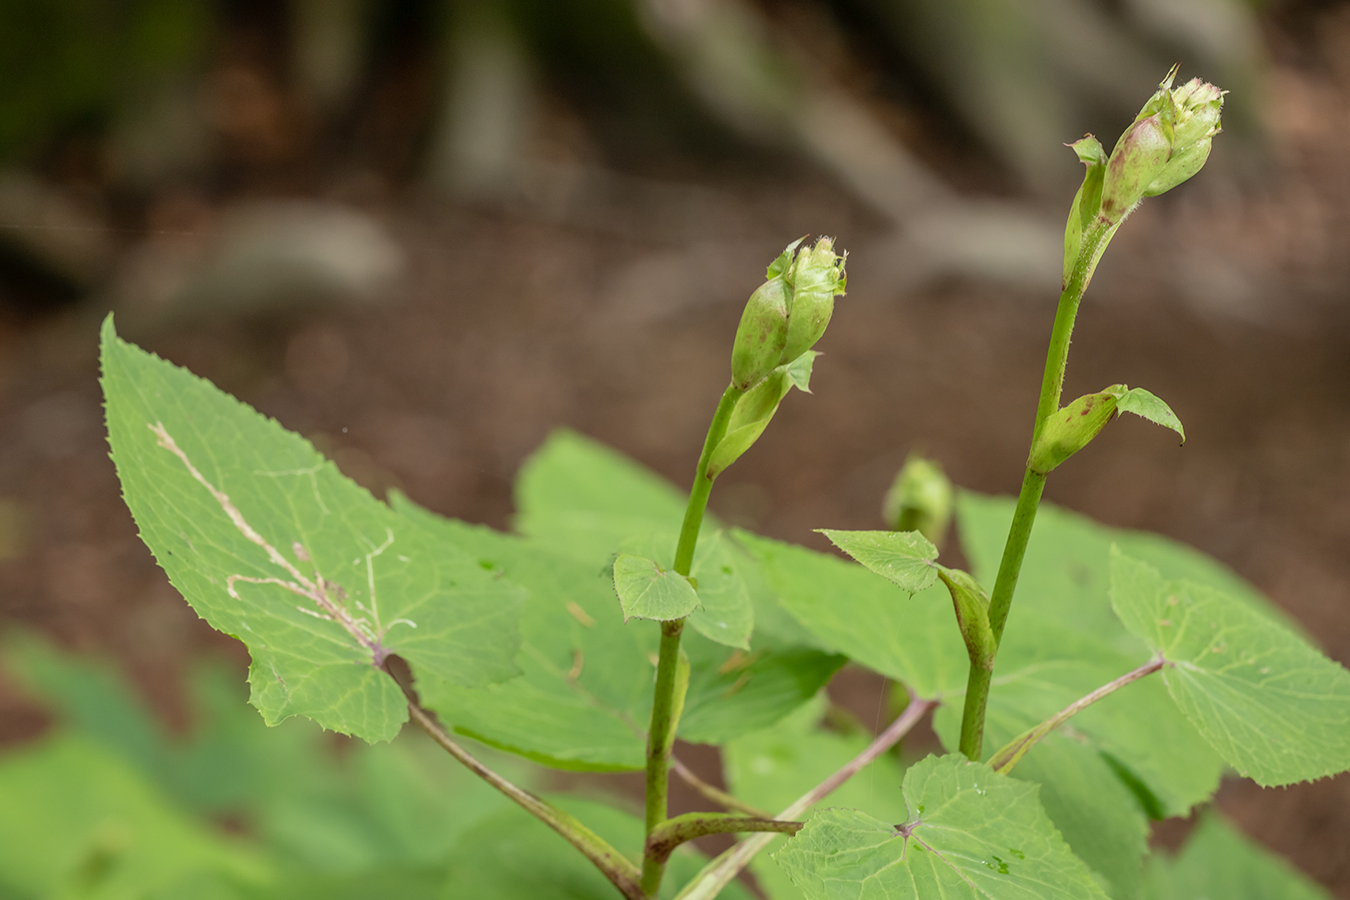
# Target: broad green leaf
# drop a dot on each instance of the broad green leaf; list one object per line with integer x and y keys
{"x": 1272, "y": 706}
{"x": 1066, "y": 570}
{"x": 586, "y": 499}
{"x": 969, "y": 833}
{"x": 902, "y": 557}
{"x": 647, "y": 591}
{"x": 80, "y": 822}
{"x": 1097, "y": 815}
{"x": 271, "y": 544}
{"x": 770, "y": 769}
{"x": 1147, "y": 406}
{"x": 514, "y": 856}
{"x": 911, "y": 638}
{"x": 1042, "y": 667}
{"x": 585, "y": 695}
{"x": 1220, "y": 862}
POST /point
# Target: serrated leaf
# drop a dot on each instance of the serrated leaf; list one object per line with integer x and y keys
{"x": 1219, "y": 861}
{"x": 912, "y": 639}
{"x": 970, "y": 833}
{"x": 1271, "y": 705}
{"x": 901, "y": 557}
{"x": 585, "y": 695}
{"x": 725, "y": 612}
{"x": 1147, "y": 406}
{"x": 647, "y": 591}
{"x": 269, "y": 542}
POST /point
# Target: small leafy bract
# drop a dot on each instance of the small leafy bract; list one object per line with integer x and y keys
{"x": 270, "y": 543}
{"x": 902, "y": 557}
{"x": 1272, "y": 706}
{"x": 971, "y": 833}
{"x": 1149, "y": 406}
{"x": 647, "y": 591}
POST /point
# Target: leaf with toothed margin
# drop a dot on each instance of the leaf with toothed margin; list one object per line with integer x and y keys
{"x": 647, "y": 591}
{"x": 270, "y": 543}
{"x": 1146, "y": 405}
{"x": 971, "y": 834}
{"x": 1271, "y": 705}
{"x": 1219, "y": 861}
{"x": 902, "y": 557}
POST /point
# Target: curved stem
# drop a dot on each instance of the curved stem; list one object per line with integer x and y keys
{"x": 1004, "y": 760}
{"x": 715, "y": 794}
{"x": 703, "y": 482}
{"x": 719, "y": 873}
{"x": 615, "y": 866}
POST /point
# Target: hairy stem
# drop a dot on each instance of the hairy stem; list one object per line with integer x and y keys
{"x": 621, "y": 873}
{"x": 1004, "y": 760}
{"x": 665, "y": 715}
{"x": 718, "y": 873}
{"x": 1033, "y": 483}
{"x": 715, "y": 794}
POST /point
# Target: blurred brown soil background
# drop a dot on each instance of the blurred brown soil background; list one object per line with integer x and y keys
{"x": 1229, "y": 298}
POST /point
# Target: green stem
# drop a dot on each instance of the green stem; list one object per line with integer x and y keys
{"x": 703, "y": 482}
{"x": 1033, "y": 483}
{"x": 674, "y": 832}
{"x": 1004, "y": 760}
{"x": 615, "y": 866}
{"x": 665, "y": 716}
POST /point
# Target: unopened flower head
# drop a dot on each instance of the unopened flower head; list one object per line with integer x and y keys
{"x": 1167, "y": 143}
{"x": 789, "y": 312}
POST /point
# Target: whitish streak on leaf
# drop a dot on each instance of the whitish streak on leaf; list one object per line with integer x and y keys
{"x": 312, "y": 472}
{"x": 325, "y": 594}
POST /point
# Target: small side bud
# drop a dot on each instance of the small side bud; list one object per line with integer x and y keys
{"x": 920, "y": 499}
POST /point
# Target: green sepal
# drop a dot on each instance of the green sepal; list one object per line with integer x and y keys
{"x": 1086, "y": 203}
{"x": 1071, "y": 429}
{"x": 1074, "y": 426}
{"x": 756, "y": 408}
{"x": 972, "y": 614}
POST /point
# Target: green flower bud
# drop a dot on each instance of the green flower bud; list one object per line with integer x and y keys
{"x": 1167, "y": 143}
{"x": 920, "y": 499}
{"x": 1198, "y": 106}
{"x": 816, "y": 277}
{"x": 1073, "y": 428}
{"x": 788, "y": 313}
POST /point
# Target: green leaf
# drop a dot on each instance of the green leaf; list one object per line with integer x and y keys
{"x": 586, "y": 692}
{"x": 1219, "y": 861}
{"x": 514, "y": 856}
{"x": 969, "y": 833}
{"x": 269, "y": 543}
{"x": 725, "y": 612}
{"x": 1270, "y": 704}
{"x": 770, "y": 769}
{"x": 586, "y": 499}
{"x": 1147, "y": 406}
{"x": 647, "y": 591}
{"x": 1066, "y": 570}
{"x": 911, "y": 638}
{"x": 902, "y": 557}
{"x": 91, "y": 826}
